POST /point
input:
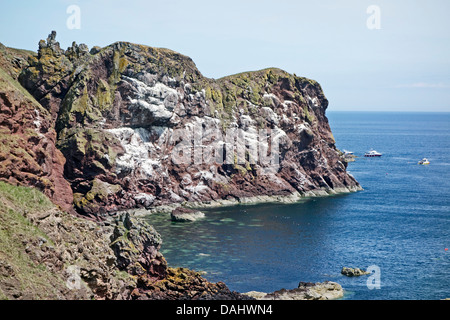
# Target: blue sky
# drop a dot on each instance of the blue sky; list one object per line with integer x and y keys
{"x": 404, "y": 66}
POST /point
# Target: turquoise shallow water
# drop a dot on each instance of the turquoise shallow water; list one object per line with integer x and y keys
{"x": 400, "y": 222}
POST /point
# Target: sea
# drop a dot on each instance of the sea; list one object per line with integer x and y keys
{"x": 397, "y": 228}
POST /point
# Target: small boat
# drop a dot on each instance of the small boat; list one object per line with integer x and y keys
{"x": 348, "y": 153}
{"x": 372, "y": 153}
{"x": 424, "y": 161}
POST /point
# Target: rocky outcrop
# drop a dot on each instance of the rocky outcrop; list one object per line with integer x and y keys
{"x": 141, "y": 127}
{"x": 306, "y": 291}
{"x": 136, "y": 246}
{"x": 46, "y": 253}
{"x": 353, "y": 272}
{"x": 184, "y": 284}
{"x": 49, "y": 75}
{"x": 14, "y": 61}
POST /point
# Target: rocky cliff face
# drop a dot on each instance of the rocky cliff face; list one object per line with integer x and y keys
{"x": 28, "y": 153}
{"x": 130, "y": 126}
{"x": 140, "y": 127}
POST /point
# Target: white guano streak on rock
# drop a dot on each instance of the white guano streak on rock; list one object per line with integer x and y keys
{"x": 159, "y": 99}
{"x": 141, "y": 155}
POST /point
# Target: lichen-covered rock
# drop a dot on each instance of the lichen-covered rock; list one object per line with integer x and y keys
{"x": 353, "y": 272}
{"x": 46, "y": 253}
{"x": 13, "y": 61}
{"x": 136, "y": 245}
{"x": 184, "y": 284}
{"x": 48, "y": 75}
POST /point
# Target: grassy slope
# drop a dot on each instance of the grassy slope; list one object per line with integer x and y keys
{"x": 7, "y": 83}
{"x": 14, "y": 60}
{"x": 17, "y": 270}
{"x": 20, "y": 277}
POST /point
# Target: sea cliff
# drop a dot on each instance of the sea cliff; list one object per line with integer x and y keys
{"x": 128, "y": 126}
{"x": 141, "y": 127}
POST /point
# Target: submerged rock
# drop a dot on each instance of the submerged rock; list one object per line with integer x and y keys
{"x": 181, "y": 214}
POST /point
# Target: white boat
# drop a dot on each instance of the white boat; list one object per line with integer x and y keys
{"x": 348, "y": 153}
{"x": 372, "y": 153}
{"x": 424, "y": 161}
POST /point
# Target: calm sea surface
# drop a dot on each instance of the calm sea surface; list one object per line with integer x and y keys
{"x": 399, "y": 223}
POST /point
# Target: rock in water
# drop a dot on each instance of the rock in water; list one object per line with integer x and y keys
{"x": 181, "y": 214}
{"x": 353, "y": 272}
{"x": 306, "y": 291}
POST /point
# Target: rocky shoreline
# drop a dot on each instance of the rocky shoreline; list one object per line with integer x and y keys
{"x": 288, "y": 199}
{"x": 60, "y": 256}
{"x": 47, "y": 254}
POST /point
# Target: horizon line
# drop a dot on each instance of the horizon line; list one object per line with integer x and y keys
{"x": 390, "y": 111}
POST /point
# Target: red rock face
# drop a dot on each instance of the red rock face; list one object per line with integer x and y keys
{"x": 141, "y": 127}
{"x": 28, "y": 154}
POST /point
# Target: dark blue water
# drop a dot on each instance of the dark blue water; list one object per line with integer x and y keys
{"x": 399, "y": 223}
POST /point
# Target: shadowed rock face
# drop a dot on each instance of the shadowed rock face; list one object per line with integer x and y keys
{"x": 141, "y": 127}
{"x": 136, "y": 245}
